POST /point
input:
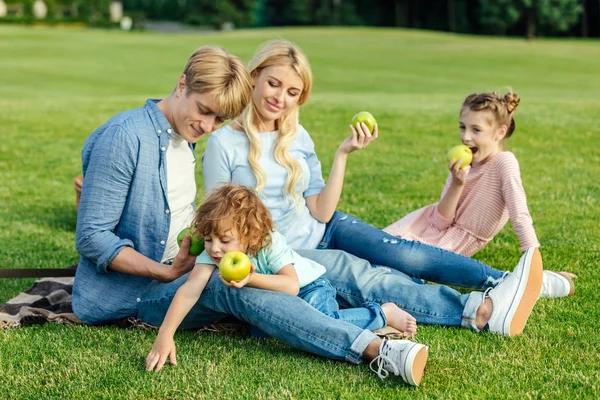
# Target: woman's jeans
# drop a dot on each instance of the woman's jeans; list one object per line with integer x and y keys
{"x": 322, "y": 295}
{"x": 357, "y": 282}
{"x": 280, "y": 315}
{"x": 417, "y": 260}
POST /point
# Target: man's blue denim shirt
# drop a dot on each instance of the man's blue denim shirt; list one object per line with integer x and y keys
{"x": 123, "y": 203}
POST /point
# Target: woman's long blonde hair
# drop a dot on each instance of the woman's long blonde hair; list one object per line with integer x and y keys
{"x": 278, "y": 53}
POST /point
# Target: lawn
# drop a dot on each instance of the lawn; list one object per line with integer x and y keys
{"x": 58, "y": 85}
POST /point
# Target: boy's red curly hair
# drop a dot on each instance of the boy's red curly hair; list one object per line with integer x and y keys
{"x": 238, "y": 208}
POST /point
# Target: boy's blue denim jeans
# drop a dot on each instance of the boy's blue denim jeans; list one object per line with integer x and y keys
{"x": 417, "y": 260}
{"x": 322, "y": 295}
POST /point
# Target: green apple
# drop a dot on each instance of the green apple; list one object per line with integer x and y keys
{"x": 196, "y": 244}
{"x": 367, "y": 118}
{"x": 234, "y": 266}
{"x": 460, "y": 152}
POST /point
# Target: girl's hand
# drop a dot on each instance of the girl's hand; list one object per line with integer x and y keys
{"x": 359, "y": 139}
{"x": 242, "y": 283}
{"x": 459, "y": 175}
{"x": 163, "y": 347}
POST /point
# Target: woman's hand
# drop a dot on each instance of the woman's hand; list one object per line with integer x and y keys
{"x": 164, "y": 347}
{"x": 359, "y": 139}
{"x": 243, "y": 282}
{"x": 459, "y": 175}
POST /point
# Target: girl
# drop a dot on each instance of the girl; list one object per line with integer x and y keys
{"x": 233, "y": 218}
{"x": 478, "y": 200}
{"x": 267, "y": 149}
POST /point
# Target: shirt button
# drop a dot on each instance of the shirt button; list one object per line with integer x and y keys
{"x": 159, "y": 131}
{"x": 162, "y": 242}
{"x": 167, "y": 211}
{"x": 163, "y": 148}
{"x": 169, "y": 130}
{"x": 138, "y": 299}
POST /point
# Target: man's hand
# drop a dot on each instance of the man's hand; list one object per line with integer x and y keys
{"x": 183, "y": 262}
{"x": 164, "y": 347}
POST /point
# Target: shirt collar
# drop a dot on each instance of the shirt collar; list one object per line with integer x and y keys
{"x": 158, "y": 118}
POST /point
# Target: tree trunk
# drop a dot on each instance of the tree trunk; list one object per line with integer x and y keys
{"x": 451, "y": 15}
{"x": 401, "y": 13}
{"x": 530, "y": 35}
{"x": 584, "y": 21}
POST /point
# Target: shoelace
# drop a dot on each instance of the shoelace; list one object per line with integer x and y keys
{"x": 381, "y": 361}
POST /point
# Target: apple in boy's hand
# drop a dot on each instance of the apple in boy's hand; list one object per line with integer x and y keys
{"x": 460, "y": 152}
{"x": 367, "y": 118}
{"x": 234, "y": 266}
{"x": 196, "y": 242}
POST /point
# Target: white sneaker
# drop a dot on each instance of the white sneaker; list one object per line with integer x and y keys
{"x": 555, "y": 285}
{"x": 514, "y": 298}
{"x": 402, "y": 358}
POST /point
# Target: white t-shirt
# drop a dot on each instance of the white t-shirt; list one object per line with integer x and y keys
{"x": 181, "y": 184}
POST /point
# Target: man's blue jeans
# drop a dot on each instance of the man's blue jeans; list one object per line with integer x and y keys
{"x": 417, "y": 260}
{"x": 280, "y": 315}
{"x": 322, "y": 295}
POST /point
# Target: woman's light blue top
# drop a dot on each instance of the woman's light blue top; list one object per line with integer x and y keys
{"x": 225, "y": 160}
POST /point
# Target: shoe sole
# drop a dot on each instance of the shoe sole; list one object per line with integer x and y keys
{"x": 415, "y": 364}
{"x": 531, "y": 293}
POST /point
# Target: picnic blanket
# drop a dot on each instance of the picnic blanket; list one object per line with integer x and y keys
{"x": 49, "y": 300}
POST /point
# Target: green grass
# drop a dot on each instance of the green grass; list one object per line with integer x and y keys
{"x": 56, "y": 86}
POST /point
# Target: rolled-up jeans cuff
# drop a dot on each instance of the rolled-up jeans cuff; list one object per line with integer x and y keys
{"x": 470, "y": 311}
{"x": 359, "y": 346}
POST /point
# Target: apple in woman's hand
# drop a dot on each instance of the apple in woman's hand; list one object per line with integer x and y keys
{"x": 234, "y": 266}
{"x": 460, "y": 152}
{"x": 367, "y": 118}
{"x": 196, "y": 244}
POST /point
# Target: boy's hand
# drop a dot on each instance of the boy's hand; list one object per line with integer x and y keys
{"x": 459, "y": 175}
{"x": 163, "y": 347}
{"x": 243, "y": 282}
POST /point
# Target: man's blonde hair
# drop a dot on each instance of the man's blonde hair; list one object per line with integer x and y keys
{"x": 214, "y": 70}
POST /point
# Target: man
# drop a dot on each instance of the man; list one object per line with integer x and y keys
{"x": 138, "y": 193}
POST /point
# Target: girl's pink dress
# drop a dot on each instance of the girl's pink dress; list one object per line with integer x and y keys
{"x": 493, "y": 193}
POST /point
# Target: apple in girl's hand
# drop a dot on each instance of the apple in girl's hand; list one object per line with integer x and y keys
{"x": 196, "y": 243}
{"x": 460, "y": 152}
{"x": 234, "y": 266}
{"x": 367, "y": 118}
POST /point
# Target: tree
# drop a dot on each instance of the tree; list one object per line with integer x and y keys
{"x": 551, "y": 15}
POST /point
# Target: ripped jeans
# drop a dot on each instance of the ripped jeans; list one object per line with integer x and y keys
{"x": 417, "y": 260}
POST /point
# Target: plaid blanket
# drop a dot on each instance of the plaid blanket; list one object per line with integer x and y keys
{"x": 49, "y": 300}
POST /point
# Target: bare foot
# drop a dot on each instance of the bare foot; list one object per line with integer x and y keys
{"x": 569, "y": 276}
{"x": 399, "y": 319}
{"x": 484, "y": 313}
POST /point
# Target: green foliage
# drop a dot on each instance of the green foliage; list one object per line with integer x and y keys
{"x": 499, "y": 15}
{"x": 557, "y": 15}
{"x": 58, "y": 85}
{"x": 552, "y": 16}
{"x": 196, "y": 12}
